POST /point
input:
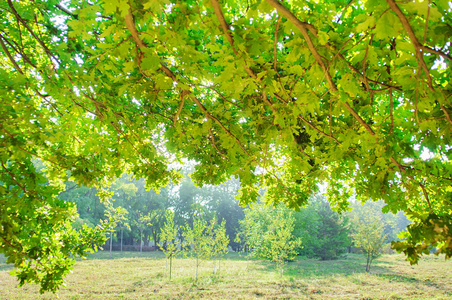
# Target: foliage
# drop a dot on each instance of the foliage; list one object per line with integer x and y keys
{"x": 324, "y": 233}
{"x": 168, "y": 237}
{"x": 284, "y": 94}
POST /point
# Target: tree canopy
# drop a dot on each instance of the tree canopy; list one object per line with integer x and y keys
{"x": 285, "y": 95}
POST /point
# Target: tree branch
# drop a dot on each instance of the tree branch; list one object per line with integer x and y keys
{"x": 19, "y": 18}
{"x": 182, "y": 100}
{"x": 225, "y": 27}
{"x": 275, "y": 45}
{"x": 391, "y": 110}
{"x": 443, "y": 108}
{"x": 213, "y": 143}
{"x": 66, "y": 11}
{"x": 13, "y": 178}
{"x": 9, "y": 56}
{"x": 210, "y": 116}
{"x": 444, "y": 55}
{"x": 304, "y": 31}
{"x": 24, "y": 56}
{"x": 413, "y": 39}
{"x": 130, "y": 23}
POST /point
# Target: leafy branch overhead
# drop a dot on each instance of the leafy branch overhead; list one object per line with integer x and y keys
{"x": 285, "y": 95}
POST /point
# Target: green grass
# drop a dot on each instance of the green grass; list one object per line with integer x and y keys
{"x": 132, "y": 276}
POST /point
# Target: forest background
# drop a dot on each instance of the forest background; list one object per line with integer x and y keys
{"x": 324, "y": 233}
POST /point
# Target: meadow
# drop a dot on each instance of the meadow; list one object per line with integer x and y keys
{"x": 131, "y": 276}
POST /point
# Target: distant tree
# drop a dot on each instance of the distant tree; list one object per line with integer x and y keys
{"x": 123, "y": 224}
{"x": 168, "y": 239}
{"x": 324, "y": 232}
{"x": 119, "y": 214}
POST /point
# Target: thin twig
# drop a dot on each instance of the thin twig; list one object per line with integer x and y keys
{"x": 13, "y": 178}
{"x": 182, "y": 100}
{"x": 275, "y": 44}
{"x": 391, "y": 110}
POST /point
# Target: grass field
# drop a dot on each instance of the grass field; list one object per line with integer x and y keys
{"x": 132, "y": 276}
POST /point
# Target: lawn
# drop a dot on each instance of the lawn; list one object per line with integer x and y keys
{"x": 131, "y": 276}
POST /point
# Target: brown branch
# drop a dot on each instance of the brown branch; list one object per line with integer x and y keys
{"x": 358, "y": 117}
{"x": 364, "y": 64}
{"x": 443, "y": 108}
{"x": 391, "y": 110}
{"x": 209, "y": 115}
{"x": 225, "y": 27}
{"x": 417, "y": 45}
{"x": 398, "y": 88}
{"x": 350, "y": 2}
{"x": 19, "y": 18}
{"x": 402, "y": 169}
{"x": 318, "y": 130}
{"x": 182, "y": 100}
{"x": 130, "y": 23}
{"x": 24, "y": 56}
{"x": 13, "y": 178}
{"x": 268, "y": 102}
{"x": 213, "y": 142}
{"x": 302, "y": 27}
{"x": 275, "y": 44}
{"x": 428, "y": 49}
{"x": 222, "y": 97}
{"x": 9, "y": 56}
{"x": 66, "y": 11}
{"x": 426, "y": 21}
{"x": 304, "y": 31}
{"x": 424, "y": 191}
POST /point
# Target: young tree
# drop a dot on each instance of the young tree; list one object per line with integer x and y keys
{"x": 220, "y": 243}
{"x": 269, "y": 234}
{"x": 198, "y": 241}
{"x": 369, "y": 235}
{"x": 280, "y": 243}
{"x": 168, "y": 239}
{"x": 368, "y": 230}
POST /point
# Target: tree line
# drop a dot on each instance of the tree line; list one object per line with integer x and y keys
{"x": 272, "y": 232}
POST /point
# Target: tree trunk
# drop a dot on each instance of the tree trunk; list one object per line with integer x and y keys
{"x": 170, "y": 266}
{"x": 141, "y": 242}
{"x": 154, "y": 237}
{"x": 122, "y": 229}
{"x": 111, "y": 240}
{"x": 197, "y": 264}
{"x": 219, "y": 264}
{"x": 368, "y": 263}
